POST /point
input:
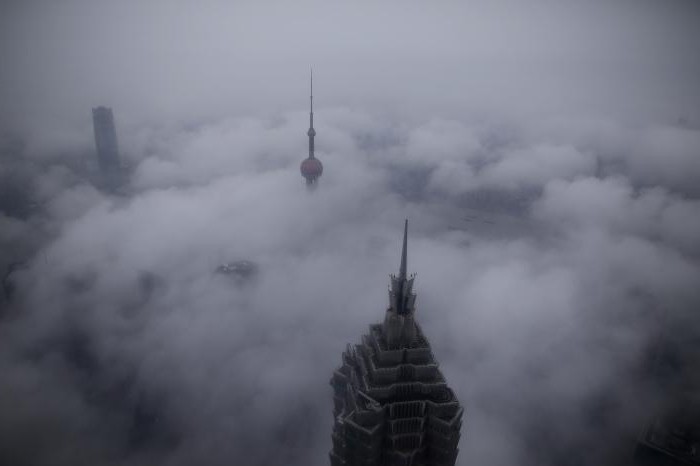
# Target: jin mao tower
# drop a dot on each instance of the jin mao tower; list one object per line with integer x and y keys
{"x": 392, "y": 405}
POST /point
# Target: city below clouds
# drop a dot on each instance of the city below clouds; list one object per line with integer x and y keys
{"x": 546, "y": 157}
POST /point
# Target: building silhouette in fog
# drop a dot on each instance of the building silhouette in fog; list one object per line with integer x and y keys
{"x": 392, "y": 405}
{"x": 672, "y": 435}
{"x": 106, "y": 145}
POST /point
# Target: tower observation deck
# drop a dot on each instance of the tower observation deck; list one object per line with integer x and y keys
{"x": 392, "y": 405}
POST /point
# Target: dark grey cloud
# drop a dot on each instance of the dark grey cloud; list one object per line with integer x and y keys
{"x": 537, "y": 152}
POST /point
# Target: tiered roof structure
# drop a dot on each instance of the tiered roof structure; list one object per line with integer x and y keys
{"x": 392, "y": 405}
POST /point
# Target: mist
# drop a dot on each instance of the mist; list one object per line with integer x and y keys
{"x": 546, "y": 155}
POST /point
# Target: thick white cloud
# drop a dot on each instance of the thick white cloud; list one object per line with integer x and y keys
{"x": 611, "y": 204}
{"x": 528, "y": 325}
{"x": 534, "y": 166}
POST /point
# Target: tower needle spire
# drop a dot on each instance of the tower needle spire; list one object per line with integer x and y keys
{"x": 311, "y": 98}
{"x": 312, "y": 131}
{"x": 312, "y": 90}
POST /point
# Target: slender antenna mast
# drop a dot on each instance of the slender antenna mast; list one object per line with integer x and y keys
{"x": 311, "y": 97}
{"x": 312, "y": 131}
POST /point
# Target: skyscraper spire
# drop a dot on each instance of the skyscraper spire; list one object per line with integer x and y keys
{"x": 401, "y": 293}
{"x": 402, "y": 269}
{"x": 311, "y": 168}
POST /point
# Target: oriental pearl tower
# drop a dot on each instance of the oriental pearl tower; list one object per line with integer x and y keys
{"x": 311, "y": 168}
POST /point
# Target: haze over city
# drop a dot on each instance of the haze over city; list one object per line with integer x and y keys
{"x": 547, "y": 156}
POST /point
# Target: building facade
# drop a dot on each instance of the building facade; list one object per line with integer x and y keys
{"x": 392, "y": 405}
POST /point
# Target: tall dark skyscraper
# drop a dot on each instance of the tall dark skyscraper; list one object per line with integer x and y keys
{"x": 105, "y": 139}
{"x": 311, "y": 168}
{"x": 672, "y": 435}
{"x": 392, "y": 405}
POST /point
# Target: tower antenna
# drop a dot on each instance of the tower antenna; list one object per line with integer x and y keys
{"x": 312, "y": 93}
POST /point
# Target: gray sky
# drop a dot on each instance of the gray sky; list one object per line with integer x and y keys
{"x": 121, "y": 347}
{"x": 179, "y": 60}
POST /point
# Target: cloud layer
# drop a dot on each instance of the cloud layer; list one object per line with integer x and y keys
{"x": 553, "y": 232}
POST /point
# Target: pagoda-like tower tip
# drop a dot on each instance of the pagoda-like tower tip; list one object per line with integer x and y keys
{"x": 392, "y": 405}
